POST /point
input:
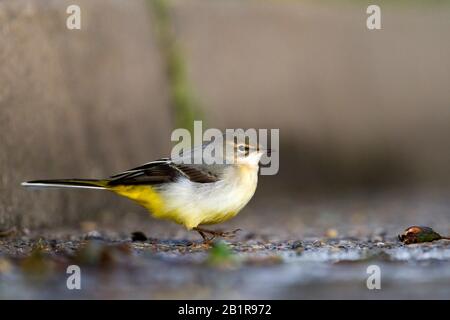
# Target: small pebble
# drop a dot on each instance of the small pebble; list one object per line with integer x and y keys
{"x": 138, "y": 236}
{"x": 332, "y": 233}
{"x": 296, "y": 245}
{"x": 317, "y": 243}
{"x": 93, "y": 235}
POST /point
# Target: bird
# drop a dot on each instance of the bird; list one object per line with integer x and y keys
{"x": 192, "y": 195}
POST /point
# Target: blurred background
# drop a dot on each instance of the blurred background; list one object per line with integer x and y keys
{"x": 364, "y": 116}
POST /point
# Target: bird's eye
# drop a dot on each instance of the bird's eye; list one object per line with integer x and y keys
{"x": 243, "y": 148}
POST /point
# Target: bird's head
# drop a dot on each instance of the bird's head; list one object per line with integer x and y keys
{"x": 236, "y": 149}
{"x": 243, "y": 152}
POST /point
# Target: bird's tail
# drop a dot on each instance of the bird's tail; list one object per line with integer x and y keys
{"x": 67, "y": 183}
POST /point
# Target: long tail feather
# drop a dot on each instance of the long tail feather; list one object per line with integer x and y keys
{"x": 67, "y": 183}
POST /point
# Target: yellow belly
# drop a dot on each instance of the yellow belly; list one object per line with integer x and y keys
{"x": 191, "y": 205}
{"x": 149, "y": 198}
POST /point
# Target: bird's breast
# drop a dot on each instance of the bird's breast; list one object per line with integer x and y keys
{"x": 208, "y": 203}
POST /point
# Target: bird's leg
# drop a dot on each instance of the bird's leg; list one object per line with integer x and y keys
{"x": 205, "y": 238}
{"x": 222, "y": 234}
{"x": 207, "y": 241}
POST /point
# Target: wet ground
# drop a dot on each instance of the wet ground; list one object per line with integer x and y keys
{"x": 322, "y": 252}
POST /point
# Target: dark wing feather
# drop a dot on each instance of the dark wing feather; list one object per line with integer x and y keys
{"x": 198, "y": 173}
{"x": 163, "y": 171}
{"x": 148, "y": 165}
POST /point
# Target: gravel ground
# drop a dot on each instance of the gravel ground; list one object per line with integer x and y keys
{"x": 325, "y": 254}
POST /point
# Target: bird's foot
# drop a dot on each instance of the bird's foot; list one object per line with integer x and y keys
{"x": 228, "y": 234}
{"x": 213, "y": 234}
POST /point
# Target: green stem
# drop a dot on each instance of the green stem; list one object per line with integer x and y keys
{"x": 184, "y": 105}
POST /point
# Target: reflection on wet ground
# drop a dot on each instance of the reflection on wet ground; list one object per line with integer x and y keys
{"x": 324, "y": 253}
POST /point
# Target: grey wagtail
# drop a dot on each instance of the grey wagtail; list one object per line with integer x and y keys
{"x": 188, "y": 194}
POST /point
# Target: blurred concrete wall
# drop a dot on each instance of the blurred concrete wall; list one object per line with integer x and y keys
{"x": 355, "y": 108}
{"x": 76, "y": 104}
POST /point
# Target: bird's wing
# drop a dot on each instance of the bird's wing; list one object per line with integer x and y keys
{"x": 148, "y": 165}
{"x": 162, "y": 171}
